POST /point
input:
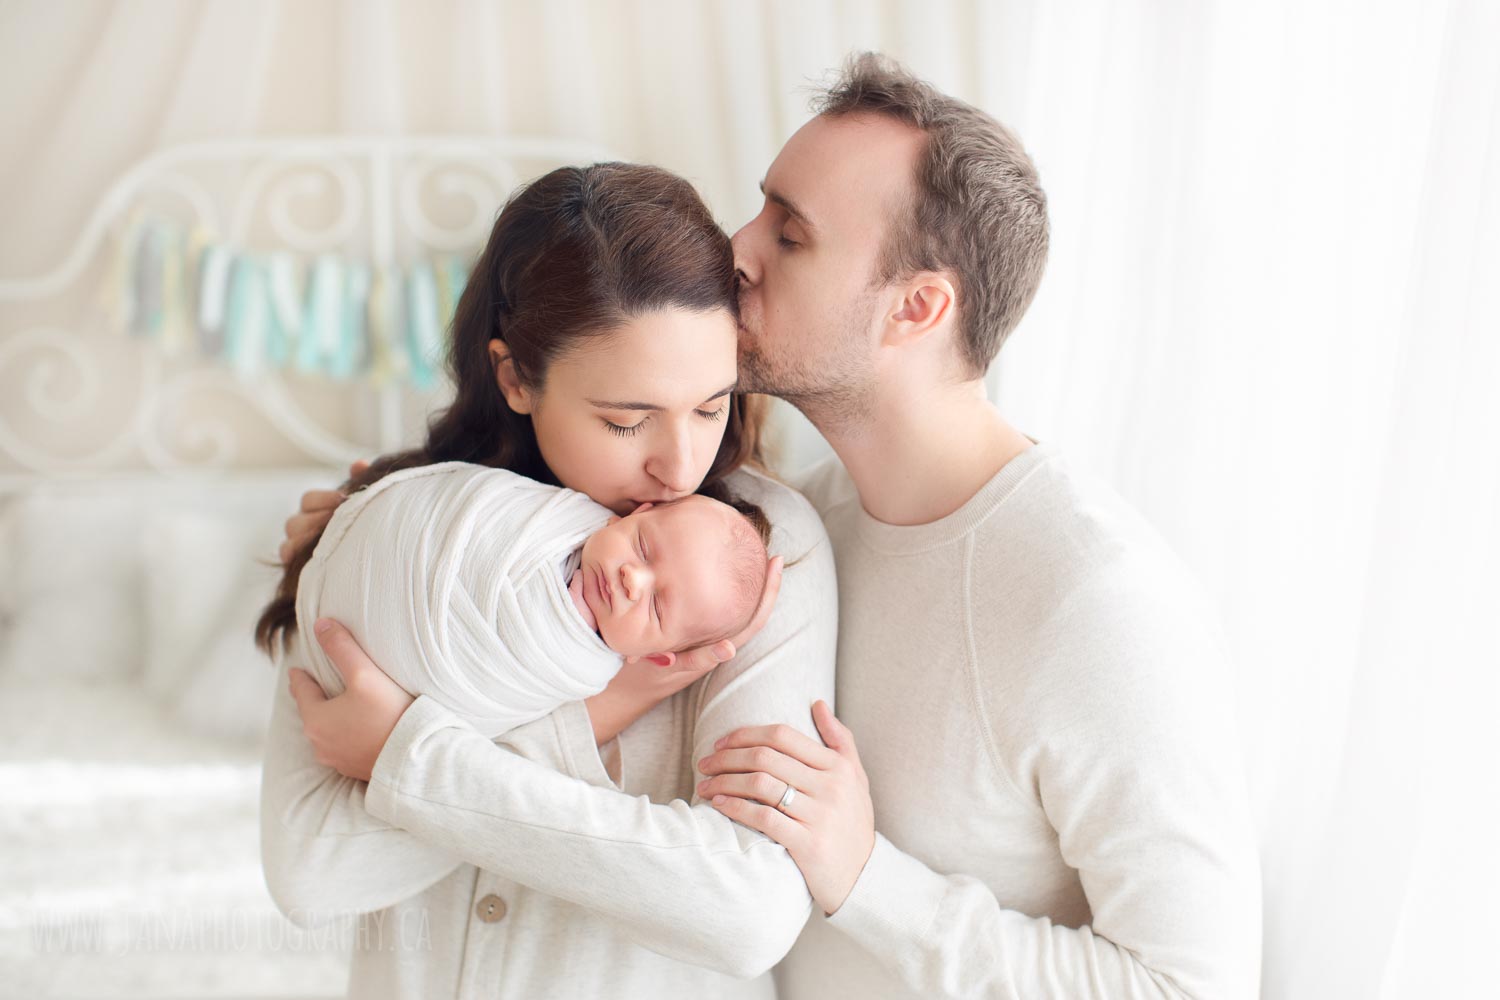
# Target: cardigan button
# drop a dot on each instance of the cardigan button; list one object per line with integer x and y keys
{"x": 491, "y": 908}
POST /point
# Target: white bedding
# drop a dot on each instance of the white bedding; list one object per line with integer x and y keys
{"x": 132, "y": 703}
{"x": 138, "y": 839}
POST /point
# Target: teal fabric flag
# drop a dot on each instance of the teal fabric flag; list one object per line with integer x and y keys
{"x": 286, "y": 307}
{"x": 353, "y": 352}
{"x": 424, "y": 337}
{"x": 246, "y": 326}
{"x": 321, "y": 319}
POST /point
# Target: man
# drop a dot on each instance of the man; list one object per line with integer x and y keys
{"x": 1045, "y": 733}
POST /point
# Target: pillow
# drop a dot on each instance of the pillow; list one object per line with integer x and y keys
{"x": 226, "y": 687}
{"x": 205, "y": 586}
{"x": 73, "y": 594}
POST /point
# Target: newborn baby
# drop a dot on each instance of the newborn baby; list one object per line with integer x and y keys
{"x": 503, "y": 597}
{"x": 670, "y": 577}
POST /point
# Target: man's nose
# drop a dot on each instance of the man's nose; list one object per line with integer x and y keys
{"x": 746, "y": 270}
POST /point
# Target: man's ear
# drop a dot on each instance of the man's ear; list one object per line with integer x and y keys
{"x": 517, "y": 396}
{"x": 926, "y": 304}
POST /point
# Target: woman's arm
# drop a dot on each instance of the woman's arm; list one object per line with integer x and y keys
{"x": 321, "y": 851}
{"x": 677, "y": 878}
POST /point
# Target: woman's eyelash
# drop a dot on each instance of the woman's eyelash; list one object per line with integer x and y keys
{"x": 620, "y": 430}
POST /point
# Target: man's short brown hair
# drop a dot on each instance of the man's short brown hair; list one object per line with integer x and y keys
{"x": 979, "y": 211}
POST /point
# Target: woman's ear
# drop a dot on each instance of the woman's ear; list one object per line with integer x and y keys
{"x": 517, "y": 396}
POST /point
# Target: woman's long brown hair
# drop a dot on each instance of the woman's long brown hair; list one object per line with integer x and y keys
{"x": 572, "y": 256}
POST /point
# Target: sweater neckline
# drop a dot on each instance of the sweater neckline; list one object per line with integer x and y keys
{"x": 899, "y": 539}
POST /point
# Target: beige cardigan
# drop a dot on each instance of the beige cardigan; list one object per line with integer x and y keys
{"x": 519, "y": 868}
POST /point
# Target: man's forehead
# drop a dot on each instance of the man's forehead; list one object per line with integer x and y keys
{"x": 834, "y": 168}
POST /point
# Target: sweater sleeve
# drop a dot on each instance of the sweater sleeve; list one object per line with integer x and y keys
{"x": 322, "y": 854}
{"x": 1126, "y": 740}
{"x": 678, "y": 878}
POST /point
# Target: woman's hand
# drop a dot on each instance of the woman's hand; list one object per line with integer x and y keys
{"x": 641, "y": 685}
{"x": 317, "y": 507}
{"x": 349, "y": 730}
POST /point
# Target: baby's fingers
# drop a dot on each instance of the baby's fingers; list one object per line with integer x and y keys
{"x": 705, "y": 658}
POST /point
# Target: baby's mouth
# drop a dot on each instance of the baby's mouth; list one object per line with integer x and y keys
{"x": 603, "y": 589}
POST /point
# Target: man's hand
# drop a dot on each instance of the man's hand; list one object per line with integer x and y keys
{"x": 829, "y": 826}
{"x": 317, "y": 507}
{"x": 640, "y": 686}
{"x": 349, "y": 730}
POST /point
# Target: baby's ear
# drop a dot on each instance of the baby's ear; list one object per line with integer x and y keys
{"x": 662, "y": 659}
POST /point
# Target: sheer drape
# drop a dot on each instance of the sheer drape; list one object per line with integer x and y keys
{"x": 1270, "y": 319}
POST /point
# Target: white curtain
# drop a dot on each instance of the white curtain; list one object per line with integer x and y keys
{"x": 1271, "y": 318}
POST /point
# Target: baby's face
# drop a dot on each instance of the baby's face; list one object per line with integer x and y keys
{"x": 654, "y": 579}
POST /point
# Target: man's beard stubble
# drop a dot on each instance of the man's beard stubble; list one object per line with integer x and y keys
{"x": 833, "y": 391}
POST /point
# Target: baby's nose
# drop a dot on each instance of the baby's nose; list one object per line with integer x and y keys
{"x": 635, "y": 578}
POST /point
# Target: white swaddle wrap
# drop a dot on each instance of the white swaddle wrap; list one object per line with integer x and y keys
{"x": 453, "y": 577}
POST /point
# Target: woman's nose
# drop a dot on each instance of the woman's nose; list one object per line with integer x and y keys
{"x": 673, "y": 466}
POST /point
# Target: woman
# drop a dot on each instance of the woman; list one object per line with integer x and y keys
{"x": 593, "y": 347}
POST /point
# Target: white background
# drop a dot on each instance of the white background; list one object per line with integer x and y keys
{"x": 1271, "y": 319}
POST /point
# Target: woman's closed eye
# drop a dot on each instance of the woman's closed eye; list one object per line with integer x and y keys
{"x": 630, "y": 430}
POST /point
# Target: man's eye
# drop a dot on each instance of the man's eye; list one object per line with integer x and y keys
{"x": 786, "y": 242}
{"x": 623, "y": 431}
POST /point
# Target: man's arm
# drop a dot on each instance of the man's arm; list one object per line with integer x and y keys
{"x": 1132, "y": 751}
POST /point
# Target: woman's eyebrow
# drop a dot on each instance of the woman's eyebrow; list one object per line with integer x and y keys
{"x": 612, "y": 404}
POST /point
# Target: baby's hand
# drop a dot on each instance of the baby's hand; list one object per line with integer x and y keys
{"x": 638, "y": 687}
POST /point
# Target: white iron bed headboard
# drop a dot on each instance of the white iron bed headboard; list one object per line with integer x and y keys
{"x": 381, "y": 198}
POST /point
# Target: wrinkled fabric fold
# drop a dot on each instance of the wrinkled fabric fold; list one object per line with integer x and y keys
{"x": 453, "y": 578}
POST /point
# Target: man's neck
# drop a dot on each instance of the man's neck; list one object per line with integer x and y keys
{"x": 917, "y": 460}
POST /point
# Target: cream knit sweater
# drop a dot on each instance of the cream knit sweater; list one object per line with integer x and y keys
{"x": 1044, "y": 710}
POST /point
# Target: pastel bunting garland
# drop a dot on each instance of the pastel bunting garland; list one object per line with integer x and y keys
{"x": 331, "y": 317}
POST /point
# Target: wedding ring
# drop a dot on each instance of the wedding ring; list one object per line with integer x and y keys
{"x": 787, "y": 798}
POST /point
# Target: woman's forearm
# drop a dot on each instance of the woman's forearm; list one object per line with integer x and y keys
{"x": 681, "y": 880}
{"x": 323, "y": 854}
